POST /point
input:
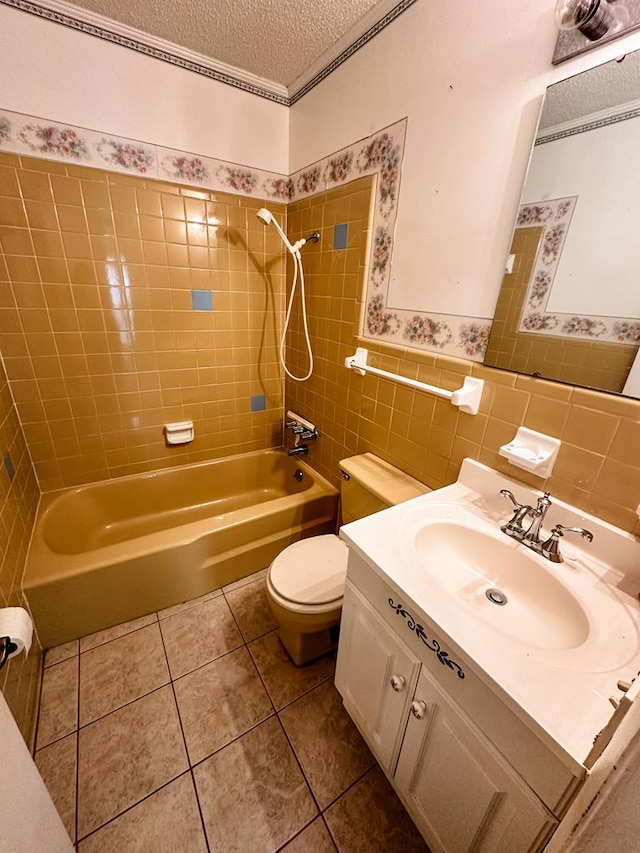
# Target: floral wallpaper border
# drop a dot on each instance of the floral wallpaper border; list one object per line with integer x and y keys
{"x": 380, "y": 154}
{"x": 555, "y": 217}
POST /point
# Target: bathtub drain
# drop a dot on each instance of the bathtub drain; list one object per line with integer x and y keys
{"x": 298, "y": 474}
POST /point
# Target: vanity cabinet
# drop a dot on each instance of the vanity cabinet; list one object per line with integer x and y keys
{"x": 460, "y": 791}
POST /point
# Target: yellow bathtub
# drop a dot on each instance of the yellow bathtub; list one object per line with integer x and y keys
{"x": 112, "y": 551}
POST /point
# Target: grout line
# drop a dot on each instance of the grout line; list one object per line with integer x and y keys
{"x": 304, "y": 775}
{"x": 133, "y": 805}
{"x": 186, "y": 748}
{"x": 329, "y": 833}
{"x": 113, "y": 639}
{"x": 77, "y": 774}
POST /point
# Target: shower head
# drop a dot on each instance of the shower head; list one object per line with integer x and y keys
{"x": 267, "y": 218}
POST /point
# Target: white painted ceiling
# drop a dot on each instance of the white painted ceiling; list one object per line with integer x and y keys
{"x": 278, "y": 40}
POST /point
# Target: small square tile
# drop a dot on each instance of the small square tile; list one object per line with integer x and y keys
{"x": 202, "y": 300}
{"x": 116, "y": 673}
{"x": 57, "y": 766}
{"x": 285, "y": 681}
{"x": 199, "y": 635}
{"x": 126, "y": 756}
{"x": 167, "y": 820}
{"x": 257, "y": 776}
{"x": 227, "y": 691}
{"x": 9, "y": 467}
{"x": 258, "y": 403}
{"x": 93, "y": 640}
{"x": 58, "y": 702}
{"x": 340, "y": 235}
{"x": 329, "y": 747}
{"x": 371, "y": 817}
{"x": 251, "y": 610}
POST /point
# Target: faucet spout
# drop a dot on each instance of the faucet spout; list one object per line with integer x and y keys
{"x": 532, "y": 536}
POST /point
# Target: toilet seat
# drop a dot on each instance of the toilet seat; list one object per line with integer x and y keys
{"x": 310, "y": 574}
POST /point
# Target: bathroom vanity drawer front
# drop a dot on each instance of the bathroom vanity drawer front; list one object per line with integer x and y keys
{"x": 543, "y": 770}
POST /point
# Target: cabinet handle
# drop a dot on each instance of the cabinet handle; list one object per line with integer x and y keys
{"x": 398, "y": 683}
{"x": 418, "y": 709}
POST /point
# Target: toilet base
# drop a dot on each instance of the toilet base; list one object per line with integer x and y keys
{"x": 303, "y": 648}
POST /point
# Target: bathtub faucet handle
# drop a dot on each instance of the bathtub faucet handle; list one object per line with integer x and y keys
{"x": 309, "y": 434}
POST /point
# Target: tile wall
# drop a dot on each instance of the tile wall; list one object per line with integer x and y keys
{"x": 129, "y": 303}
{"x": 579, "y": 361}
{"x": 20, "y": 678}
{"x": 598, "y": 468}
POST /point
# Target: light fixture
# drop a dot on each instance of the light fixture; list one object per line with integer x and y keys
{"x": 586, "y": 23}
{"x": 593, "y": 18}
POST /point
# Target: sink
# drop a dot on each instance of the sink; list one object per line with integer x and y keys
{"x": 504, "y": 586}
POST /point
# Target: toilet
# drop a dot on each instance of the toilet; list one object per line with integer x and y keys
{"x": 305, "y": 582}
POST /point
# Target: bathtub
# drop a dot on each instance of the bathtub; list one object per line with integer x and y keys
{"x": 112, "y": 551}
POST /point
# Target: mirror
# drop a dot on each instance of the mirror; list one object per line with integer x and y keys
{"x": 570, "y": 308}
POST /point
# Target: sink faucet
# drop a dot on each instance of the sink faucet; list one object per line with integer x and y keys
{"x": 532, "y": 536}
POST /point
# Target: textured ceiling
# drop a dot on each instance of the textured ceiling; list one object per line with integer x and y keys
{"x": 598, "y": 89}
{"x": 275, "y": 39}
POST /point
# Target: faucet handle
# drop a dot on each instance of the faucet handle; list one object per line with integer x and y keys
{"x": 561, "y": 530}
{"x": 514, "y": 526}
{"x": 507, "y": 494}
{"x": 551, "y": 548}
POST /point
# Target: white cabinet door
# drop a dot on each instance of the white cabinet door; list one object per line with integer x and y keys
{"x": 376, "y": 675}
{"x": 461, "y": 793}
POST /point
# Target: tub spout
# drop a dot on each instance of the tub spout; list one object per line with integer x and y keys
{"x": 299, "y": 450}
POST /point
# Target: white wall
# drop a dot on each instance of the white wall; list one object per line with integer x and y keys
{"x": 470, "y": 78}
{"x": 50, "y": 71}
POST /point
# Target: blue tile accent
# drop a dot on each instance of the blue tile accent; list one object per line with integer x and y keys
{"x": 258, "y": 403}
{"x": 340, "y": 235}
{"x": 8, "y": 466}
{"x": 202, "y": 300}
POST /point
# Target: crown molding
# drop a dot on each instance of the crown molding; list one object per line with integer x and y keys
{"x": 603, "y": 118}
{"x": 82, "y": 20}
{"x": 99, "y": 26}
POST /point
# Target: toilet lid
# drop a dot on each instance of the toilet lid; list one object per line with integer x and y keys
{"x": 311, "y": 571}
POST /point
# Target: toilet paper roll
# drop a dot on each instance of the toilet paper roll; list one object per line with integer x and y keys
{"x": 16, "y": 624}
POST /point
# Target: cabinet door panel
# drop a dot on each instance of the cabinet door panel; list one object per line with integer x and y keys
{"x": 371, "y": 663}
{"x": 461, "y": 792}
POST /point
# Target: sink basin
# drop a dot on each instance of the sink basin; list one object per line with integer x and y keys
{"x": 502, "y": 584}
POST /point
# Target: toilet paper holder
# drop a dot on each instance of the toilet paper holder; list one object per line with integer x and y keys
{"x": 7, "y": 648}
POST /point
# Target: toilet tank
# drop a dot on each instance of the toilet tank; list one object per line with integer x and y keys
{"x": 370, "y": 484}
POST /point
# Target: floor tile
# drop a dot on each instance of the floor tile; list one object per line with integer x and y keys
{"x": 178, "y": 608}
{"x": 314, "y": 839}
{"x": 220, "y": 701}
{"x": 127, "y": 755}
{"x": 252, "y": 793}
{"x": 57, "y": 766}
{"x": 251, "y": 610}
{"x": 256, "y": 576}
{"x": 328, "y": 745}
{"x": 115, "y": 673}
{"x": 58, "y": 702}
{"x": 168, "y": 820}
{"x": 93, "y": 640}
{"x": 283, "y": 679}
{"x": 370, "y": 818}
{"x": 199, "y": 635}
{"x": 59, "y": 653}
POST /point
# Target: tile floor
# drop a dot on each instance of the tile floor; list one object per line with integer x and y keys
{"x": 189, "y": 731}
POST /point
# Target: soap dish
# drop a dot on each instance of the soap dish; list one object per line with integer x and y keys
{"x": 532, "y": 451}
